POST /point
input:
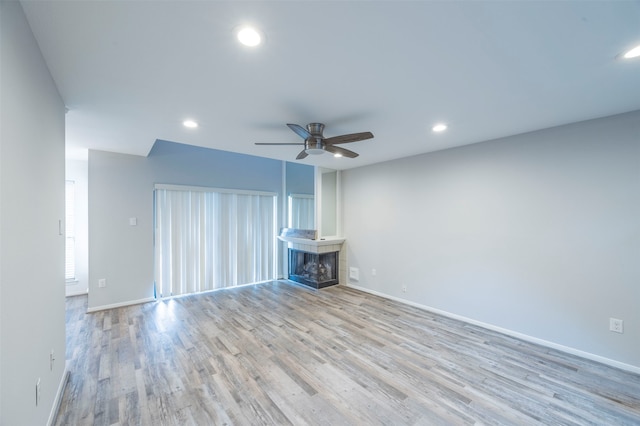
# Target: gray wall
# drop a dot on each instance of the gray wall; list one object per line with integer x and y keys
{"x": 538, "y": 234}
{"x": 32, "y": 284}
{"x": 121, "y": 187}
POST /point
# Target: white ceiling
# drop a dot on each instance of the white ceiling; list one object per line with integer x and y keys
{"x": 131, "y": 71}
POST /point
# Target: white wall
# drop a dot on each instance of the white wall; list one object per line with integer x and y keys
{"x": 77, "y": 171}
{"x": 538, "y": 234}
{"x": 32, "y": 310}
{"x": 121, "y": 187}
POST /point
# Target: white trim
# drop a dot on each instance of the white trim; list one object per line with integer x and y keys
{"x": 317, "y": 200}
{"x": 121, "y": 304}
{"x": 207, "y": 189}
{"x": 338, "y": 202}
{"x": 59, "y": 394}
{"x": 281, "y": 249}
{"x": 525, "y": 337}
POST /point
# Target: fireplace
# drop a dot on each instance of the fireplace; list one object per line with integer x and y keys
{"x": 317, "y": 270}
{"x": 315, "y": 262}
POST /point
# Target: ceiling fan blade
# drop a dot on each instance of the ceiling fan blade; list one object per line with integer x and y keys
{"x": 277, "y": 143}
{"x": 352, "y": 137}
{"x": 303, "y": 154}
{"x": 337, "y": 150}
{"x": 300, "y": 131}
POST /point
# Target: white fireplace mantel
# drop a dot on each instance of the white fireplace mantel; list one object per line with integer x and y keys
{"x": 320, "y": 242}
{"x": 322, "y": 245}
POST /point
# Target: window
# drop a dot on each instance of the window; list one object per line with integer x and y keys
{"x": 210, "y": 238}
{"x": 70, "y": 231}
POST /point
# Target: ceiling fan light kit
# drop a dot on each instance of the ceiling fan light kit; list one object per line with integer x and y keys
{"x": 314, "y": 151}
{"x": 315, "y": 143}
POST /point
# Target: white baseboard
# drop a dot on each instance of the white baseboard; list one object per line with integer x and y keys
{"x": 121, "y": 304}
{"x": 59, "y": 394}
{"x": 525, "y": 337}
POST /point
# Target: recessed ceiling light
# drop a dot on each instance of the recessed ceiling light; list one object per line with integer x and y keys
{"x": 633, "y": 53}
{"x": 337, "y": 155}
{"x": 249, "y": 37}
{"x": 440, "y": 127}
{"x": 190, "y": 124}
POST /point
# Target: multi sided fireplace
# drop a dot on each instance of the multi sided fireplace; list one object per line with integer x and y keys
{"x": 317, "y": 270}
{"x": 313, "y": 261}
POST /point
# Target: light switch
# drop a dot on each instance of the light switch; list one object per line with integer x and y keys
{"x": 133, "y": 221}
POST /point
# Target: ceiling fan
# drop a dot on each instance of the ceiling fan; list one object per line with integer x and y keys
{"x": 314, "y": 143}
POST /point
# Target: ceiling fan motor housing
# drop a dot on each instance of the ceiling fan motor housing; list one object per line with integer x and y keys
{"x": 314, "y": 145}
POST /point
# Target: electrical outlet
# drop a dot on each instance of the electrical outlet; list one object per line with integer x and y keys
{"x": 404, "y": 288}
{"x": 616, "y": 325}
{"x": 374, "y": 272}
{"x": 102, "y": 282}
{"x": 52, "y": 358}
{"x": 38, "y": 391}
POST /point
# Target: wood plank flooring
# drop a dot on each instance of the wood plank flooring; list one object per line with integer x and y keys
{"x": 282, "y": 354}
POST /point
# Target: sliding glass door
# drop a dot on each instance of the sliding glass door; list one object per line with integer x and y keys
{"x": 207, "y": 238}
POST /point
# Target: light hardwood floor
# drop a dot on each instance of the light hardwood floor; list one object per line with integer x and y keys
{"x": 279, "y": 353}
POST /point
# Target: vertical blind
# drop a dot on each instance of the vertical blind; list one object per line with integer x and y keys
{"x": 301, "y": 211}
{"x": 207, "y": 239}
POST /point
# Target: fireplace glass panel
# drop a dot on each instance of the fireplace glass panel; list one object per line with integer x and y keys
{"x": 315, "y": 270}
